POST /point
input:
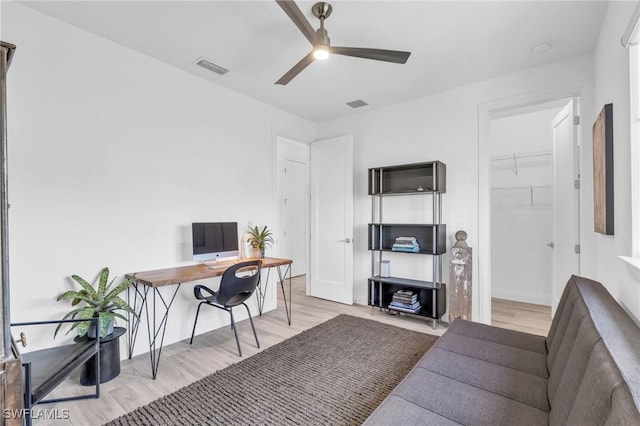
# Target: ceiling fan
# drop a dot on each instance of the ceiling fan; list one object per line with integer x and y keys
{"x": 319, "y": 39}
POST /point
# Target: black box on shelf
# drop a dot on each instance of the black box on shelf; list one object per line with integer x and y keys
{"x": 408, "y": 178}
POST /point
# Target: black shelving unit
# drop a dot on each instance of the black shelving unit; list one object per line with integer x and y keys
{"x": 408, "y": 180}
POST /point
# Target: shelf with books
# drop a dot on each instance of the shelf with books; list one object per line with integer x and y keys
{"x": 405, "y": 300}
{"x": 430, "y": 296}
{"x": 431, "y": 238}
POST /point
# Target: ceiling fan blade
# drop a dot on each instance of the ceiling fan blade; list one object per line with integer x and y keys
{"x": 296, "y": 15}
{"x": 378, "y": 54}
{"x": 297, "y": 68}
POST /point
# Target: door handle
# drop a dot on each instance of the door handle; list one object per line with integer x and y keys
{"x": 22, "y": 340}
{"x": 551, "y": 244}
{"x": 346, "y": 240}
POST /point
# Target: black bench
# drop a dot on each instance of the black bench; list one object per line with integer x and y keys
{"x": 45, "y": 369}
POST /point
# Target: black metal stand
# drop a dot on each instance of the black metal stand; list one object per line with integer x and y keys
{"x": 109, "y": 359}
{"x": 52, "y": 366}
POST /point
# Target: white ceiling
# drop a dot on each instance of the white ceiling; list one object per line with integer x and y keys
{"x": 452, "y": 44}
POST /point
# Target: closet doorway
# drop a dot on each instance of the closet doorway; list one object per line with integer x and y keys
{"x": 531, "y": 169}
{"x": 293, "y": 202}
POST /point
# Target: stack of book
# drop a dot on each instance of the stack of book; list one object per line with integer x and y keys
{"x": 405, "y": 301}
{"x": 406, "y": 244}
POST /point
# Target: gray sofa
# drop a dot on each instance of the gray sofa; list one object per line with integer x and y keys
{"x": 585, "y": 372}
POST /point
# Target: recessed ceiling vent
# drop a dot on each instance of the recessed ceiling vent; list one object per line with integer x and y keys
{"x": 357, "y": 104}
{"x": 208, "y": 65}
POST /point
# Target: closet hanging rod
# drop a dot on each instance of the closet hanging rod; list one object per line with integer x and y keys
{"x": 528, "y": 187}
{"x": 522, "y": 155}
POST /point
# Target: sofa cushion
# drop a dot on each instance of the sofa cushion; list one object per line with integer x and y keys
{"x": 397, "y": 411}
{"x": 531, "y": 362}
{"x": 620, "y": 334}
{"x": 464, "y": 403}
{"x": 595, "y": 373}
{"x": 517, "y": 339}
{"x": 596, "y": 400}
{"x": 559, "y": 322}
{"x": 572, "y": 352}
{"x": 621, "y": 412}
{"x": 563, "y": 320}
{"x": 517, "y": 385}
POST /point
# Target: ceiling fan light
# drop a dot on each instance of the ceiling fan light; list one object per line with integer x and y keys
{"x": 321, "y": 52}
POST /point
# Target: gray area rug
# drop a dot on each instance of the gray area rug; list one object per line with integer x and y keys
{"x": 336, "y": 373}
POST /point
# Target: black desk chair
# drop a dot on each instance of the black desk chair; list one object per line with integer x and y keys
{"x": 45, "y": 369}
{"x": 237, "y": 285}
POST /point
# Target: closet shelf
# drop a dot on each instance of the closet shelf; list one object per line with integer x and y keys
{"x": 541, "y": 191}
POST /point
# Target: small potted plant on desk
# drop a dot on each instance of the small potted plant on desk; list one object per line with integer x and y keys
{"x": 102, "y": 303}
{"x": 259, "y": 239}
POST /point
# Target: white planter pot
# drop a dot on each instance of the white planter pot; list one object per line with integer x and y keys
{"x": 92, "y": 332}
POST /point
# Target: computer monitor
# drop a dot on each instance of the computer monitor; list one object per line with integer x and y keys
{"x": 214, "y": 240}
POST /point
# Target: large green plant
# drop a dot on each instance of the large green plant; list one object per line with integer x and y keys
{"x": 101, "y": 302}
{"x": 260, "y": 238}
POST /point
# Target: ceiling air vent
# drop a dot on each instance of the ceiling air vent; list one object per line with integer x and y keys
{"x": 208, "y": 65}
{"x": 357, "y": 104}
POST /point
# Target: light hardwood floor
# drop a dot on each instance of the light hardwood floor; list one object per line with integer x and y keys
{"x": 182, "y": 363}
{"x": 534, "y": 319}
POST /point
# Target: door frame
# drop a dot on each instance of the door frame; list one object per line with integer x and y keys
{"x": 303, "y": 157}
{"x": 574, "y": 109}
{"x": 580, "y": 90}
{"x": 276, "y": 206}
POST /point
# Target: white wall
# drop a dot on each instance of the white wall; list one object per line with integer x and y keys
{"x": 444, "y": 126}
{"x": 521, "y": 216}
{"x": 612, "y": 86}
{"x": 112, "y": 155}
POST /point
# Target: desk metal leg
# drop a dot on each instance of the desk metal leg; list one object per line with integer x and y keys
{"x": 261, "y": 293}
{"x": 139, "y": 297}
{"x": 282, "y": 278}
{"x": 158, "y": 330}
{"x": 155, "y": 330}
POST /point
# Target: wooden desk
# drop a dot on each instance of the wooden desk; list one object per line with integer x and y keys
{"x": 154, "y": 280}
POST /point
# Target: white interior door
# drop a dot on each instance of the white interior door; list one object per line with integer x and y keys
{"x": 295, "y": 190}
{"x": 566, "y": 257}
{"x": 331, "y": 255}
